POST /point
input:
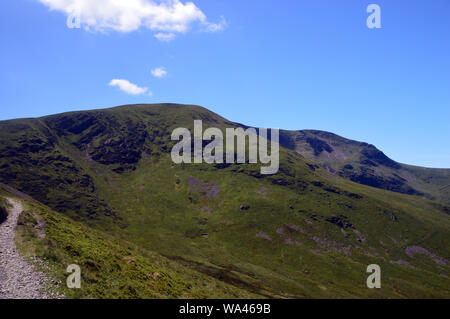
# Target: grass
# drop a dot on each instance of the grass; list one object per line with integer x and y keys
{"x": 167, "y": 215}
{"x": 110, "y": 269}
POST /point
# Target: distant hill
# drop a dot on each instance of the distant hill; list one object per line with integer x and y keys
{"x": 365, "y": 164}
{"x": 307, "y": 232}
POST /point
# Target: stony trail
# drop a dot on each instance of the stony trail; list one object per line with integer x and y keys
{"x": 18, "y": 279}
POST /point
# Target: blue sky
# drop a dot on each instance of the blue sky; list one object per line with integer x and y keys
{"x": 267, "y": 63}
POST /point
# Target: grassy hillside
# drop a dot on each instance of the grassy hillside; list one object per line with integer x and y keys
{"x": 109, "y": 268}
{"x": 301, "y": 233}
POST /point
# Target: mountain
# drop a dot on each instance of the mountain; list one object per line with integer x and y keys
{"x": 365, "y": 164}
{"x": 309, "y": 231}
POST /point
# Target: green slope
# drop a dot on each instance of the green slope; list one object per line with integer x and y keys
{"x": 300, "y": 233}
{"x": 109, "y": 268}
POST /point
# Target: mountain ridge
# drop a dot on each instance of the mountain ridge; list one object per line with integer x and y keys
{"x": 363, "y": 163}
{"x": 303, "y": 232}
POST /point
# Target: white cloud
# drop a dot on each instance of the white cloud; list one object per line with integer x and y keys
{"x": 165, "y": 37}
{"x": 159, "y": 72}
{"x": 214, "y": 27}
{"x": 128, "y": 87}
{"x": 166, "y": 17}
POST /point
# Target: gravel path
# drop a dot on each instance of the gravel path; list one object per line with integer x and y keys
{"x": 18, "y": 279}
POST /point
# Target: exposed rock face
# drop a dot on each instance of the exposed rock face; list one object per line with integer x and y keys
{"x": 319, "y": 146}
{"x": 375, "y": 155}
{"x": 34, "y": 163}
{"x": 104, "y": 139}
